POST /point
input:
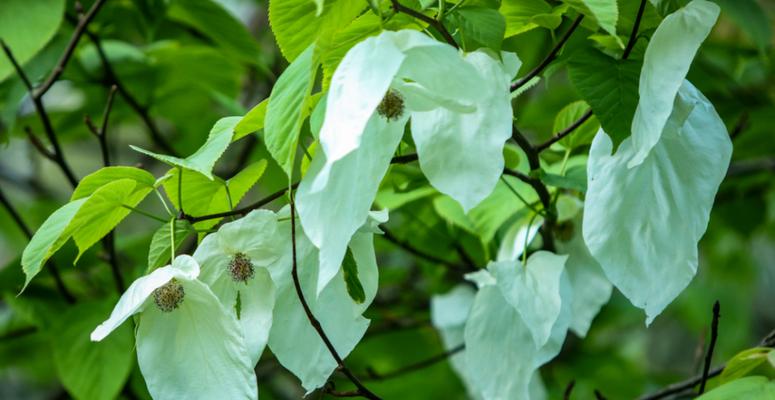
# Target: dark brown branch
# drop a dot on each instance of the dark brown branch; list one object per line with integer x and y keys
{"x": 436, "y": 24}
{"x": 549, "y": 57}
{"x": 747, "y": 167}
{"x": 713, "y": 338}
{"x": 276, "y": 195}
{"x": 100, "y": 132}
{"x": 569, "y": 390}
{"x": 58, "y": 155}
{"x": 244, "y": 210}
{"x": 627, "y": 51}
{"x": 599, "y": 395}
{"x": 410, "y": 248}
{"x": 142, "y": 111}
{"x": 362, "y": 390}
{"x": 634, "y": 33}
{"x": 50, "y": 266}
{"x": 80, "y": 28}
{"x": 374, "y": 375}
{"x": 565, "y": 132}
{"x": 18, "y": 333}
{"x": 683, "y": 386}
{"x": 740, "y": 126}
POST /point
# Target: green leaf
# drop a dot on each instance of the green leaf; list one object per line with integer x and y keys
{"x": 103, "y": 210}
{"x": 350, "y": 273}
{"x": 159, "y": 253}
{"x": 286, "y": 110}
{"x": 610, "y": 86}
{"x": 253, "y": 121}
{"x": 604, "y": 12}
{"x": 523, "y": 15}
{"x": 480, "y": 27}
{"x": 48, "y": 239}
{"x": 90, "y": 183}
{"x": 91, "y": 371}
{"x": 204, "y": 158}
{"x": 452, "y": 212}
{"x": 26, "y": 27}
{"x": 572, "y": 182}
{"x": 296, "y": 23}
{"x": 202, "y": 196}
{"x": 212, "y": 20}
{"x": 744, "y": 362}
{"x": 751, "y": 19}
{"x": 751, "y": 387}
{"x": 583, "y": 134}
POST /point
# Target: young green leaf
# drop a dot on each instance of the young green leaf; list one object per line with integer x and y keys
{"x": 48, "y": 239}
{"x": 26, "y": 27}
{"x": 610, "y": 86}
{"x": 105, "y": 209}
{"x": 604, "y": 12}
{"x": 159, "y": 253}
{"x": 583, "y": 134}
{"x": 350, "y": 274}
{"x": 750, "y": 387}
{"x": 480, "y": 27}
{"x": 524, "y": 15}
{"x": 215, "y": 22}
{"x": 744, "y": 362}
{"x": 204, "y": 158}
{"x": 297, "y": 24}
{"x": 92, "y": 182}
{"x": 286, "y": 110}
{"x": 253, "y": 121}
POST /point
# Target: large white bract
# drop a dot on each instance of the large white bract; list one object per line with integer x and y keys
{"x": 193, "y": 349}
{"x": 460, "y": 111}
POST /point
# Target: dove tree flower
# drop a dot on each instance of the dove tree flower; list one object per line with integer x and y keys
{"x": 188, "y": 345}
{"x": 234, "y": 262}
{"x": 457, "y": 104}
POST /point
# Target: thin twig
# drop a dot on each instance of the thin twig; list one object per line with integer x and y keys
{"x": 362, "y": 390}
{"x": 626, "y": 54}
{"x": 374, "y": 375}
{"x": 740, "y": 126}
{"x": 243, "y": 210}
{"x": 549, "y": 57}
{"x": 438, "y": 25}
{"x": 599, "y": 395}
{"x": 634, "y": 33}
{"x": 420, "y": 253}
{"x": 747, "y": 167}
{"x": 565, "y": 132}
{"x": 405, "y": 159}
{"x": 80, "y": 28}
{"x": 713, "y": 338}
{"x": 688, "y": 384}
{"x": 60, "y": 284}
{"x": 569, "y": 390}
{"x": 58, "y": 155}
{"x": 142, "y": 111}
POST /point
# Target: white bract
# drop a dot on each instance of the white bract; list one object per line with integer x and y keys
{"x": 293, "y": 340}
{"x": 460, "y": 113}
{"x": 501, "y": 355}
{"x": 188, "y": 345}
{"x": 234, "y": 262}
{"x": 642, "y": 224}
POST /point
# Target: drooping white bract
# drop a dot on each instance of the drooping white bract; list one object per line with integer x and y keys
{"x": 668, "y": 56}
{"x": 293, "y": 340}
{"x": 449, "y": 313}
{"x": 188, "y": 345}
{"x": 642, "y": 224}
{"x": 460, "y": 110}
{"x": 234, "y": 262}
{"x": 501, "y": 353}
{"x": 591, "y": 288}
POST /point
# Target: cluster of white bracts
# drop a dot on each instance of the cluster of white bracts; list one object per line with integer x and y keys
{"x": 647, "y": 206}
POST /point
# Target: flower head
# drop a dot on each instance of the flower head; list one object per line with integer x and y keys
{"x": 234, "y": 262}
{"x": 183, "y": 330}
{"x": 459, "y": 106}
